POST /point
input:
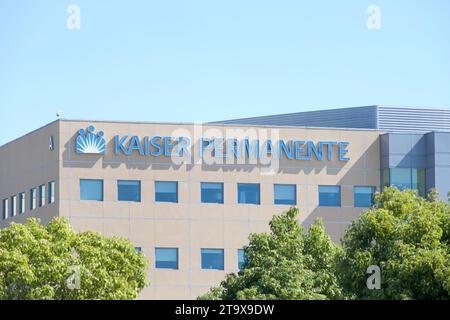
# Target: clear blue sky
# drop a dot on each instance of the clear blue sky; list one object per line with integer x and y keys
{"x": 214, "y": 59}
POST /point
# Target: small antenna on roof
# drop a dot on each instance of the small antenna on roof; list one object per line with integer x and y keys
{"x": 59, "y": 114}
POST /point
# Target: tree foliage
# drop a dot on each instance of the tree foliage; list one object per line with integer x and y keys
{"x": 286, "y": 263}
{"x": 408, "y": 238}
{"x": 43, "y": 262}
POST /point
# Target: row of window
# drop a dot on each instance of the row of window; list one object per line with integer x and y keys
{"x": 405, "y": 178}
{"x": 213, "y": 192}
{"x": 38, "y": 197}
{"x": 211, "y": 259}
{"x": 167, "y": 191}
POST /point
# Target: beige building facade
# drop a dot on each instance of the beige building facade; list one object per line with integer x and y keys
{"x": 202, "y": 188}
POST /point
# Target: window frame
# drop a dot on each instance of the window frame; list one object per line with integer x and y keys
{"x": 51, "y": 192}
{"x": 33, "y": 199}
{"x": 166, "y": 182}
{"x": 222, "y": 267}
{"x": 243, "y": 258}
{"x": 138, "y": 182}
{"x": 374, "y": 190}
{"x": 222, "y": 187}
{"x": 416, "y": 179}
{"x": 177, "y": 258}
{"x": 339, "y": 205}
{"x": 250, "y": 184}
{"x": 5, "y": 208}
{"x": 22, "y": 202}
{"x": 102, "y": 190}
{"x": 13, "y": 206}
{"x": 285, "y": 185}
{"x": 42, "y": 195}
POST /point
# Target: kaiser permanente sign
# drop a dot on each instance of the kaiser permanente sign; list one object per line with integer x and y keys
{"x": 168, "y": 146}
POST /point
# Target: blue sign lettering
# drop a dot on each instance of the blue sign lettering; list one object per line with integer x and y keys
{"x": 225, "y": 148}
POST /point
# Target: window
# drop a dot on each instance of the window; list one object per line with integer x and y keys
{"x": 13, "y": 206}
{"x": 42, "y": 196}
{"x": 129, "y": 190}
{"x": 249, "y": 193}
{"x": 212, "y": 192}
{"x": 363, "y": 196}
{"x": 329, "y": 196}
{"x": 51, "y": 192}
{"x": 166, "y": 191}
{"x": 91, "y": 190}
{"x": 241, "y": 260}
{"x": 166, "y": 258}
{"x": 33, "y": 199}
{"x": 213, "y": 259}
{"x": 138, "y": 249}
{"x": 22, "y": 202}
{"x": 285, "y": 194}
{"x": 401, "y": 178}
{"x": 5, "y": 208}
{"x": 418, "y": 181}
{"x": 405, "y": 178}
{"x": 384, "y": 178}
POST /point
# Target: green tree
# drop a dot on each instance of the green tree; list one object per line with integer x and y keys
{"x": 286, "y": 263}
{"x": 46, "y": 262}
{"x": 408, "y": 238}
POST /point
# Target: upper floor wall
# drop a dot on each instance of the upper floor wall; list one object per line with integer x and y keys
{"x": 219, "y": 148}
{"x": 429, "y": 152}
{"x": 26, "y": 164}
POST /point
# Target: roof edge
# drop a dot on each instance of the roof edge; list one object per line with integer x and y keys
{"x": 30, "y": 133}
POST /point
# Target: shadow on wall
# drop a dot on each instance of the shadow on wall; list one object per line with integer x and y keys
{"x": 338, "y": 219}
{"x": 73, "y": 160}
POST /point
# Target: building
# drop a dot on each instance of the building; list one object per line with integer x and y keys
{"x": 188, "y": 195}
